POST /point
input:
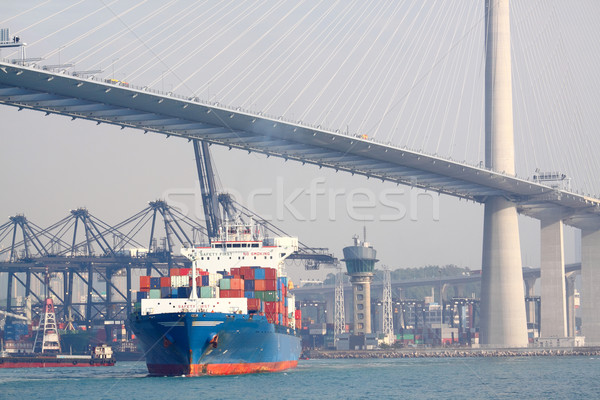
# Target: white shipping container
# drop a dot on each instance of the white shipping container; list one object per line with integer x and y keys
{"x": 213, "y": 279}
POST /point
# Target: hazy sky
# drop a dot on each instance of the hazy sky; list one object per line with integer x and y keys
{"x": 406, "y": 72}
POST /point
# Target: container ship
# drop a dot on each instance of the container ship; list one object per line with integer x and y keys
{"x": 231, "y": 313}
{"x": 20, "y": 351}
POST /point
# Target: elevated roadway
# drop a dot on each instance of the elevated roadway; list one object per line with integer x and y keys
{"x": 474, "y": 277}
{"x": 31, "y": 88}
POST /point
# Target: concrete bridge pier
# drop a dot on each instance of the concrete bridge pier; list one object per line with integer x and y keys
{"x": 570, "y": 292}
{"x": 503, "y": 322}
{"x": 590, "y": 289}
{"x": 552, "y": 273}
{"x": 530, "y": 305}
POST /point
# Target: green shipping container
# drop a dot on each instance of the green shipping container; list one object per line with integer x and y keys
{"x": 270, "y": 295}
{"x": 225, "y": 284}
{"x": 155, "y": 293}
{"x": 408, "y": 336}
{"x": 259, "y": 295}
{"x": 206, "y": 292}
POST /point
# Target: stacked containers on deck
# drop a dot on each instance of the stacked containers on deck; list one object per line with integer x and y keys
{"x": 266, "y": 293}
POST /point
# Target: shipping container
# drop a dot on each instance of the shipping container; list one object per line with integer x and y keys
{"x": 154, "y": 283}
{"x": 174, "y": 272}
{"x": 270, "y": 296}
{"x": 247, "y": 273}
{"x": 270, "y": 273}
{"x": 253, "y": 304}
{"x": 237, "y": 284}
{"x": 185, "y": 271}
{"x": 259, "y": 295}
{"x": 154, "y": 294}
{"x": 141, "y": 295}
{"x": 144, "y": 283}
{"x": 225, "y": 284}
{"x": 259, "y": 273}
{"x": 165, "y": 281}
{"x": 165, "y": 292}
{"x": 183, "y": 292}
{"x": 249, "y": 294}
{"x": 260, "y": 285}
{"x": 248, "y": 285}
{"x": 271, "y": 284}
{"x": 208, "y": 292}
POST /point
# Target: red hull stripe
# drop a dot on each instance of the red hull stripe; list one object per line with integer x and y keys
{"x": 221, "y": 369}
{"x": 7, "y": 364}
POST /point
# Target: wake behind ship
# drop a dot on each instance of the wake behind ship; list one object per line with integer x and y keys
{"x": 230, "y": 314}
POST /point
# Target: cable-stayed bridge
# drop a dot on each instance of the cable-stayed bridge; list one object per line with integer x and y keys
{"x": 495, "y": 185}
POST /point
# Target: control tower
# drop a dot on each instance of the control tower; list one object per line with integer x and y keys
{"x": 360, "y": 262}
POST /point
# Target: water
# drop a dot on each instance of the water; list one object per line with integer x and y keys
{"x": 445, "y": 378}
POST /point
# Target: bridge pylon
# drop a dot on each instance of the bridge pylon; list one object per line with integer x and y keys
{"x": 503, "y": 320}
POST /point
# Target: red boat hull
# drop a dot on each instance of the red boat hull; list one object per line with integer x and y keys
{"x": 222, "y": 369}
{"x": 53, "y": 363}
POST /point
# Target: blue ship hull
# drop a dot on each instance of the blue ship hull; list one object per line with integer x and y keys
{"x": 196, "y": 344}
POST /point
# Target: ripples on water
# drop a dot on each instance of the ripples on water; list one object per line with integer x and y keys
{"x": 446, "y": 378}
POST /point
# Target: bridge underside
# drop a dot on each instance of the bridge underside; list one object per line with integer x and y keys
{"x": 30, "y": 88}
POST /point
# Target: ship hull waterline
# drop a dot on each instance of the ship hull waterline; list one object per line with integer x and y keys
{"x": 200, "y": 344}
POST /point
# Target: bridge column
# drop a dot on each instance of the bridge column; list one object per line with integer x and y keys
{"x": 503, "y": 322}
{"x": 529, "y": 305}
{"x": 9, "y": 291}
{"x": 570, "y": 291}
{"x": 330, "y": 308}
{"x": 552, "y": 273}
{"x": 590, "y": 279}
{"x": 459, "y": 290}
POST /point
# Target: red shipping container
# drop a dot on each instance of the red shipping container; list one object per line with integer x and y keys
{"x": 247, "y": 273}
{"x": 253, "y": 304}
{"x": 184, "y": 271}
{"x": 224, "y": 293}
{"x": 203, "y": 273}
{"x": 298, "y": 314}
{"x": 273, "y": 318}
{"x": 174, "y": 272}
{"x": 144, "y": 283}
{"x": 165, "y": 281}
{"x": 238, "y": 292}
{"x": 260, "y": 285}
{"x": 271, "y": 285}
{"x": 283, "y": 292}
{"x": 271, "y": 273}
{"x": 236, "y": 284}
{"x": 234, "y": 271}
{"x": 272, "y": 307}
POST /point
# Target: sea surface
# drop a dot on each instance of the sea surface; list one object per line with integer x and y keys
{"x": 430, "y": 378}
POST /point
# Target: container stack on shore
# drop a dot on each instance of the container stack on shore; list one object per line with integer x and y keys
{"x": 267, "y": 294}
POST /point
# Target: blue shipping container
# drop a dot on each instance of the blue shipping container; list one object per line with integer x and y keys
{"x": 204, "y": 280}
{"x": 249, "y": 286}
{"x": 259, "y": 273}
{"x": 154, "y": 283}
{"x": 249, "y": 294}
{"x": 183, "y": 292}
{"x": 141, "y": 295}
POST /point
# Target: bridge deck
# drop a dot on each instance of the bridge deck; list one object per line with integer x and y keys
{"x": 75, "y": 97}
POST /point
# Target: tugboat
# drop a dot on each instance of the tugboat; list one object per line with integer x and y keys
{"x": 46, "y": 350}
